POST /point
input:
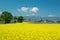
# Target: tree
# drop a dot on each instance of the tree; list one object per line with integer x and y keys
{"x": 20, "y": 19}
{"x": 58, "y": 21}
{"x": 15, "y": 19}
{"x": 41, "y": 20}
{"x": 6, "y": 16}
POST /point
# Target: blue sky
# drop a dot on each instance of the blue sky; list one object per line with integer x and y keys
{"x": 31, "y": 7}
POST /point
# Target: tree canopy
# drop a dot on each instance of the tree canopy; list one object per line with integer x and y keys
{"x": 6, "y": 16}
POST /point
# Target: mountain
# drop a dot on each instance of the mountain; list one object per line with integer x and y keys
{"x": 39, "y": 18}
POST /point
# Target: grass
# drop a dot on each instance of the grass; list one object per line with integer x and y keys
{"x": 28, "y": 31}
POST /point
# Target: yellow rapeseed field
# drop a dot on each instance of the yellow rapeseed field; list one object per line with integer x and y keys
{"x": 28, "y": 31}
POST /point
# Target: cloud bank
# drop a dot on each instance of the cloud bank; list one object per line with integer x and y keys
{"x": 35, "y": 9}
{"x": 26, "y": 9}
{"x": 50, "y": 15}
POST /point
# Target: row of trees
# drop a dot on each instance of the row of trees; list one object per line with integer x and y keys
{"x": 8, "y": 17}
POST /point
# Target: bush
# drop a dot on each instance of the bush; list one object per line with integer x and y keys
{"x": 20, "y": 19}
{"x": 58, "y": 21}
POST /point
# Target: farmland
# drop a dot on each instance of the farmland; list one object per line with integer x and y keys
{"x": 28, "y": 31}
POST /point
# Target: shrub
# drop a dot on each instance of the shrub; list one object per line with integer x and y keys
{"x": 20, "y": 19}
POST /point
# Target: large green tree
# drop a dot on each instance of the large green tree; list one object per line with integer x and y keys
{"x": 20, "y": 19}
{"x": 6, "y": 16}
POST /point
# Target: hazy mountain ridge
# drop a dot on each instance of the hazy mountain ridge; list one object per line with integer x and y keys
{"x": 39, "y": 18}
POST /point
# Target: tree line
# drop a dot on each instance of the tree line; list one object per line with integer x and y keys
{"x": 7, "y": 17}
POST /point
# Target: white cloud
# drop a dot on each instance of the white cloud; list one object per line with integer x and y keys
{"x": 51, "y": 15}
{"x": 32, "y": 14}
{"x": 34, "y": 9}
{"x": 27, "y": 15}
{"x": 23, "y": 9}
{"x": 27, "y": 9}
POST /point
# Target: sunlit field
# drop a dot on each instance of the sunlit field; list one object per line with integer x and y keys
{"x": 29, "y": 31}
